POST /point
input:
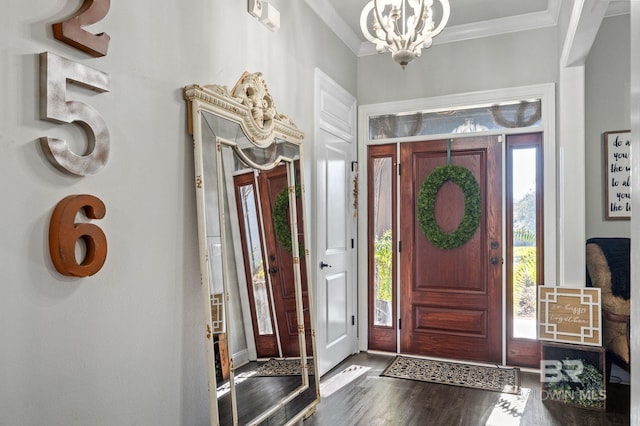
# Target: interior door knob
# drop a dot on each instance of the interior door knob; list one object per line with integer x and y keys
{"x": 495, "y": 260}
{"x": 324, "y": 265}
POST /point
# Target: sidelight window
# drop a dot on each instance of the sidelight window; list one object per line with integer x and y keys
{"x": 524, "y": 232}
{"x": 382, "y": 241}
{"x": 255, "y": 260}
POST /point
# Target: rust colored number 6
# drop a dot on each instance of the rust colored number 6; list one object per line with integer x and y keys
{"x": 64, "y": 232}
{"x": 71, "y": 32}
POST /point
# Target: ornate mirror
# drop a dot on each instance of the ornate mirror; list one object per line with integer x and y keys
{"x": 256, "y": 289}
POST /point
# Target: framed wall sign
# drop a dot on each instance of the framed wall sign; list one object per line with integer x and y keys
{"x": 617, "y": 163}
{"x": 570, "y": 315}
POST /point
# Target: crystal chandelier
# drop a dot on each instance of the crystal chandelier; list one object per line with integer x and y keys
{"x": 403, "y": 27}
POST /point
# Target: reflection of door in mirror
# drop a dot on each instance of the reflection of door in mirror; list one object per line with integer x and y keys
{"x": 255, "y": 265}
{"x": 270, "y": 278}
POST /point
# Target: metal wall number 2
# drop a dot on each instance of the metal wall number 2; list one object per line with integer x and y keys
{"x": 71, "y": 32}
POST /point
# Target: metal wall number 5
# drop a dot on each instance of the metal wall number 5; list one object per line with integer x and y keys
{"x": 55, "y": 71}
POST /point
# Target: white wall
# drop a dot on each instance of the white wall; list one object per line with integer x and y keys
{"x": 126, "y": 345}
{"x": 607, "y": 81}
{"x": 634, "y": 52}
{"x": 498, "y": 62}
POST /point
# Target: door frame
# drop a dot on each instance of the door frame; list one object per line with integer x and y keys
{"x": 545, "y": 92}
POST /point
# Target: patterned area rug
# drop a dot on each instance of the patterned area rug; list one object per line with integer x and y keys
{"x": 280, "y": 367}
{"x": 498, "y": 379}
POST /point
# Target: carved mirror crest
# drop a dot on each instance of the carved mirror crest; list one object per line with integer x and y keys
{"x": 256, "y": 288}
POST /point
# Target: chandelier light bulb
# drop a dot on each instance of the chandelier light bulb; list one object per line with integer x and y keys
{"x": 402, "y": 27}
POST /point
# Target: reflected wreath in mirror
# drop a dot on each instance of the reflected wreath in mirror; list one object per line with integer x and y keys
{"x": 281, "y": 222}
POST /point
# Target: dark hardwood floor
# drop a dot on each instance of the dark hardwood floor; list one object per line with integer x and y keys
{"x": 257, "y": 394}
{"x": 374, "y": 400}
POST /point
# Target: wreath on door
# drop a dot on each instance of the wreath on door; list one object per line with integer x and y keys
{"x": 426, "y": 206}
{"x": 280, "y": 219}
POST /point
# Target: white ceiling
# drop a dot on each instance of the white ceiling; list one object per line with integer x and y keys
{"x": 469, "y": 18}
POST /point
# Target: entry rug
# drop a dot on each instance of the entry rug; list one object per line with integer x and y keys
{"x": 498, "y": 379}
{"x": 281, "y": 367}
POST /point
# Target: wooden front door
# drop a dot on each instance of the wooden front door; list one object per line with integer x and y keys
{"x": 451, "y": 298}
{"x": 278, "y": 263}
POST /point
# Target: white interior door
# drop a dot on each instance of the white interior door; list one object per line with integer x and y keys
{"x": 335, "y": 270}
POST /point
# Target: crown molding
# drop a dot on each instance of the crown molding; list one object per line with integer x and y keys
{"x": 488, "y": 28}
{"x": 493, "y": 27}
{"x": 586, "y": 18}
{"x": 330, "y": 17}
{"x": 618, "y": 7}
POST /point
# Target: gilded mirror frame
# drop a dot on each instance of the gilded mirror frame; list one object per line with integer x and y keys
{"x": 250, "y": 106}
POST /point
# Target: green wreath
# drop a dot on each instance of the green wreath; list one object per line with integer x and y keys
{"x": 427, "y": 200}
{"x": 280, "y": 218}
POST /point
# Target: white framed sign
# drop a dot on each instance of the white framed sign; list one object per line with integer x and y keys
{"x": 570, "y": 315}
{"x": 617, "y": 163}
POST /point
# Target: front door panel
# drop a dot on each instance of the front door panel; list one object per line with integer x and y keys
{"x": 451, "y": 298}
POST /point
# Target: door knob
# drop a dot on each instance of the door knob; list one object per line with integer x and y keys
{"x": 324, "y": 265}
{"x": 495, "y": 260}
{"x": 273, "y": 270}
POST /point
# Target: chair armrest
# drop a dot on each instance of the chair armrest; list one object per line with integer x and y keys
{"x": 611, "y": 316}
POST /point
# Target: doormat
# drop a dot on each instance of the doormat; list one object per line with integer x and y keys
{"x": 497, "y": 379}
{"x": 281, "y": 367}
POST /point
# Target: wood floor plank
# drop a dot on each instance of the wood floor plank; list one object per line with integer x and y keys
{"x": 374, "y": 400}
